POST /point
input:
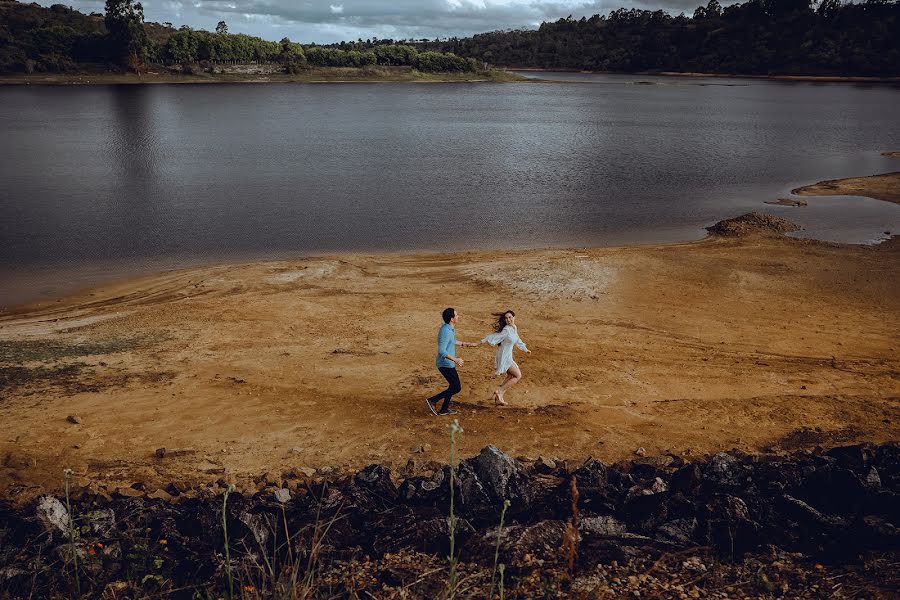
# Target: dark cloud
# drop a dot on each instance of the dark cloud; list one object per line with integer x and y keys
{"x": 325, "y": 21}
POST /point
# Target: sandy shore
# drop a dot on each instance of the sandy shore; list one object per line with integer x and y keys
{"x": 885, "y": 186}
{"x": 750, "y": 342}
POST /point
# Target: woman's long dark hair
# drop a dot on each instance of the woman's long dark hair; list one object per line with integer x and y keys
{"x": 501, "y": 320}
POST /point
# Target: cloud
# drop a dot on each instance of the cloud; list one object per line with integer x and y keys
{"x": 321, "y": 21}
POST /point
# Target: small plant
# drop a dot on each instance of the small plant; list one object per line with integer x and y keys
{"x": 70, "y": 525}
{"x": 454, "y": 428}
{"x": 506, "y": 505}
{"x": 225, "y": 533}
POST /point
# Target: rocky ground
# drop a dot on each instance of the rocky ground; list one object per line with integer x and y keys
{"x": 819, "y": 524}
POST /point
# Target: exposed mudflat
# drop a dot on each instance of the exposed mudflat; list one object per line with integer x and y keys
{"x": 732, "y": 342}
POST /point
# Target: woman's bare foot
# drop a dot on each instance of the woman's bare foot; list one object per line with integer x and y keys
{"x": 498, "y": 398}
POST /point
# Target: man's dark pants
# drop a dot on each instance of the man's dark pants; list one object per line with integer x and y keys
{"x": 452, "y": 378}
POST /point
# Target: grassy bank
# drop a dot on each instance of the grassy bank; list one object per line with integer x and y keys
{"x": 316, "y": 75}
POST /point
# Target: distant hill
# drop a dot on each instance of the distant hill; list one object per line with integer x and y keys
{"x": 765, "y": 37}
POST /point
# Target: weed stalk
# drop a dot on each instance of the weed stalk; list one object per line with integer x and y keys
{"x": 506, "y": 505}
{"x": 70, "y": 525}
{"x": 227, "y": 551}
{"x": 454, "y": 428}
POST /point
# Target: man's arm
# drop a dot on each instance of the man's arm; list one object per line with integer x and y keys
{"x": 444, "y": 344}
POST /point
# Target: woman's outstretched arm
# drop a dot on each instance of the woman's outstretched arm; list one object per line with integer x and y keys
{"x": 495, "y": 338}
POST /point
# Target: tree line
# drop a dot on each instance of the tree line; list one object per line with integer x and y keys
{"x": 821, "y": 37}
{"x": 754, "y": 37}
{"x": 60, "y": 39}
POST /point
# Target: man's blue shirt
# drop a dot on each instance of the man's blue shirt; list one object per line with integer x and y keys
{"x": 446, "y": 346}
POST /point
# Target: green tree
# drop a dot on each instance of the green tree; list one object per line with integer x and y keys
{"x": 222, "y": 28}
{"x": 125, "y": 23}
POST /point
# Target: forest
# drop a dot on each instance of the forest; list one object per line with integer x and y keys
{"x": 757, "y": 37}
{"x": 59, "y": 39}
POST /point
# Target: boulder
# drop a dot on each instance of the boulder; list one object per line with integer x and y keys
{"x": 52, "y": 514}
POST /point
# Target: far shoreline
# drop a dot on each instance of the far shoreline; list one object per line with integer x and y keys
{"x": 321, "y": 75}
{"x": 688, "y": 74}
{"x": 355, "y": 75}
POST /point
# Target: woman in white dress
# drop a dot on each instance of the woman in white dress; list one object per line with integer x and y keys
{"x": 506, "y": 335}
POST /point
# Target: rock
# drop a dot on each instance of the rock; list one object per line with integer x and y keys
{"x": 210, "y": 468}
{"x": 592, "y": 474}
{"x": 272, "y": 478}
{"x": 872, "y": 479}
{"x": 307, "y": 472}
{"x": 296, "y": 450}
{"x": 283, "y": 495}
{"x": 521, "y": 545}
{"x": 686, "y": 479}
{"x": 657, "y": 486}
{"x": 325, "y": 470}
{"x": 725, "y": 469}
{"x": 53, "y": 515}
{"x": 678, "y": 531}
{"x": 495, "y": 470}
{"x": 161, "y": 494}
{"x": 750, "y": 223}
{"x": 640, "y": 452}
{"x": 545, "y": 466}
{"x": 428, "y": 532}
{"x": 101, "y": 522}
{"x": 129, "y": 492}
{"x": 74, "y": 419}
{"x": 256, "y": 526}
{"x": 604, "y": 526}
{"x": 377, "y": 479}
{"x": 174, "y": 452}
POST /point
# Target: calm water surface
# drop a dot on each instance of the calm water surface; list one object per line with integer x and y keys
{"x": 99, "y": 182}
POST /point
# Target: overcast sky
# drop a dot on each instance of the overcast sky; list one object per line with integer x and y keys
{"x": 326, "y": 21}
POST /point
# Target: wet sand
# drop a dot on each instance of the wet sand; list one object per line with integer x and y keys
{"x": 885, "y": 186}
{"x": 754, "y": 342}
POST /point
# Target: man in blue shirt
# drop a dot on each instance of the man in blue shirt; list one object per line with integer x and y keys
{"x": 447, "y": 362}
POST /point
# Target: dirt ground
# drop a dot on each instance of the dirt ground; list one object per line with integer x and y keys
{"x": 750, "y": 342}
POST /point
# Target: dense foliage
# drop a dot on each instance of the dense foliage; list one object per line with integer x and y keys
{"x": 756, "y": 37}
{"x": 56, "y": 39}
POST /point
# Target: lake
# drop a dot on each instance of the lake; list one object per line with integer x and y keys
{"x": 102, "y": 182}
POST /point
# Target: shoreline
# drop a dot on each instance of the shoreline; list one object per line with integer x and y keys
{"x": 320, "y": 75}
{"x": 810, "y": 78}
{"x": 349, "y": 75}
{"x": 884, "y": 187}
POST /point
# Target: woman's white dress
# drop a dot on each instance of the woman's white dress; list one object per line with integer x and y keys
{"x": 507, "y": 338}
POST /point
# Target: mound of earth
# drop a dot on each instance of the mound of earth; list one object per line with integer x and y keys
{"x": 752, "y": 223}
